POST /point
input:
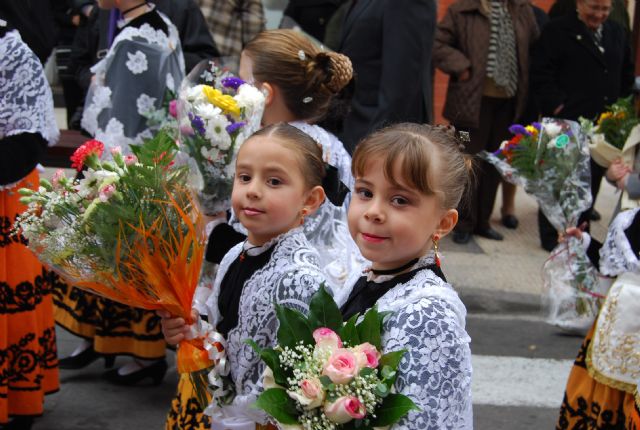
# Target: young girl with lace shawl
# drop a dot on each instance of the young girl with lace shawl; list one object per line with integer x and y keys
{"x": 279, "y": 171}
{"x": 409, "y": 179}
{"x": 602, "y": 390}
{"x": 303, "y": 86}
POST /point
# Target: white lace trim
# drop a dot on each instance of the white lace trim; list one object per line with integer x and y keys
{"x": 616, "y": 254}
{"x": 27, "y": 102}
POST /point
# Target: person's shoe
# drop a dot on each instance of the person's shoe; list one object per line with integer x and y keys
{"x": 84, "y": 359}
{"x": 594, "y": 215}
{"x": 488, "y": 233}
{"x": 461, "y": 237}
{"x": 510, "y": 221}
{"x": 155, "y": 372}
{"x": 19, "y": 423}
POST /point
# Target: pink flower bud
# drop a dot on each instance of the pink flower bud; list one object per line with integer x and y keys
{"x": 327, "y": 337}
{"x": 106, "y": 192}
{"x": 173, "y": 108}
{"x": 57, "y": 176}
{"x": 116, "y": 150}
{"x": 345, "y": 409}
{"x": 367, "y": 355}
{"x": 130, "y": 159}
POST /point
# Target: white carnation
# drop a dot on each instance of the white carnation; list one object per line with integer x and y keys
{"x": 249, "y": 97}
{"x": 552, "y": 129}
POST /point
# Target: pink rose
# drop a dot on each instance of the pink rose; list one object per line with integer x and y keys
{"x": 106, "y": 192}
{"x": 130, "y": 160}
{"x": 367, "y": 355}
{"x": 173, "y": 108}
{"x": 327, "y": 337}
{"x": 345, "y": 409}
{"x": 341, "y": 367}
{"x": 311, "y": 394}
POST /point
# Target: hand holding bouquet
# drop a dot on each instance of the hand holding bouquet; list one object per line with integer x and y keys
{"x": 551, "y": 161}
{"x": 217, "y": 112}
{"x": 326, "y": 374}
{"x": 616, "y": 131}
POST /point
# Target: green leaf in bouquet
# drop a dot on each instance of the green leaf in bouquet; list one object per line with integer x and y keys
{"x": 159, "y": 150}
{"x": 382, "y": 390}
{"x": 324, "y": 312}
{"x": 294, "y": 327}
{"x": 381, "y": 317}
{"x": 388, "y": 374}
{"x": 369, "y": 328}
{"x": 327, "y": 383}
{"x": 392, "y": 359}
{"x": 366, "y": 371}
{"x": 349, "y": 332}
{"x": 277, "y": 403}
{"x": 393, "y": 408}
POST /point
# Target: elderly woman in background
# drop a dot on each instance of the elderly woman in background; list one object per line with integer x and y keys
{"x": 581, "y": 64}
{"x": 483, "y": 45}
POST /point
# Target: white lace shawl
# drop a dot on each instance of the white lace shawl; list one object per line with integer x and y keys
{"x": 616, "y": 254}
{"x": 290, "y": 278}
{"x": 130, "y": 82}
{"x": 27, "y": 102}
{"x": 428, "y": 320}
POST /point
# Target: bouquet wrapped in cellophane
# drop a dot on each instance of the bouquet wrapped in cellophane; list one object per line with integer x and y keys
{"x": 217, "y": 113}
{"x": 550, "y": 160}
{"x": 615, "y": 133}
{"x": 328, "y": 374}
{"x": 127, "y": 231}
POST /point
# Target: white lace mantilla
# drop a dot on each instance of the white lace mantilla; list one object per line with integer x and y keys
{"x": 290, "y": 278}
{"x": 130, "y": 81}
{"x": 26, "y": 100}
{"x": 428, "y": 320}
{"x": 616, "y": 254}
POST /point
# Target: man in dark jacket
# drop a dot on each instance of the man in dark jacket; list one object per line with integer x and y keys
{"x": 389, "y": 43}
{"x": 581, "y": 64}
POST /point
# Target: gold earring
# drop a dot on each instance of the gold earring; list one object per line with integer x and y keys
{"x": 303, "y": 213}
{"x": 435, "y": 238}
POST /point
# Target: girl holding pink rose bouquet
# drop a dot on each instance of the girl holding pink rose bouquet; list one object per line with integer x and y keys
{"x": 278, "y": 183}
{"x": 409, "y": 180}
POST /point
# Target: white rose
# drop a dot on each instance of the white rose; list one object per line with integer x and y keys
{"x": 552, "y": 129}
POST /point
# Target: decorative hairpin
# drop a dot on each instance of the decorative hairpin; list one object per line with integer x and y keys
{"x": 3, "y": 23}
{"x": 464, "y": 136}
{"x": 301, "y": 55}
{"x": 307, "y": 100}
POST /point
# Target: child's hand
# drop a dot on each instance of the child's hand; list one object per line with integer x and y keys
{"x": 174, "y": 329}
{"x": 572, "y": 232}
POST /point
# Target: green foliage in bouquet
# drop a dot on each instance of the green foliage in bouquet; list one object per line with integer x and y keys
{"x": 301, "y": 394}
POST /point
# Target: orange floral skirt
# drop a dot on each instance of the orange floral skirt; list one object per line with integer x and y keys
{"x": 28, "y": 356}
{"x": 591, "y": 405}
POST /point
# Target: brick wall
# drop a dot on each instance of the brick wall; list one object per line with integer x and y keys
{"x": 441, "y": 80}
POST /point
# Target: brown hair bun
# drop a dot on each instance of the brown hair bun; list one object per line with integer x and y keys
{"x": 337, "y": 69}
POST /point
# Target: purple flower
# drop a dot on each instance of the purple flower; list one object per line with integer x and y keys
{"x": 197, "y": 123}
{"x": 232, "y": 128}
{"x": 518, "y": 129}
{"x": 537, "y": 125}
{"x": 232, "y": 82}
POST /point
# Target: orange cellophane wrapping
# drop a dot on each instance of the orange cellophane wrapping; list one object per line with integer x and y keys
{"x": 162, "y": 267}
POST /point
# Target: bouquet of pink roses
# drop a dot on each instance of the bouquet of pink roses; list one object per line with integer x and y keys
{"x": 326, "y": 374}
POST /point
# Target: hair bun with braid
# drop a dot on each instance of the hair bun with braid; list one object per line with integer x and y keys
{"x": 337, "y": 69}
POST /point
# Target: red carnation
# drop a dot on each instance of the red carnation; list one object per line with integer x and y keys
{"x": 90, "y": 147}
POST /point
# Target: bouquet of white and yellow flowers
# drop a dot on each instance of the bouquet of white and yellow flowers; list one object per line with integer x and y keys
{"x": 217, "y": 113}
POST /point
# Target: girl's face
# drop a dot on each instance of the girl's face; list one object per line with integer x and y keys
{"x": 269, "y": 191}
{"x": 394, "y": 224}
{"x": 107, "y": 4}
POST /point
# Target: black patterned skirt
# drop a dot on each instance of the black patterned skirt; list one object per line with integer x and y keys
{"x": 114, "y": 328}
{"x": 28, "y": 357}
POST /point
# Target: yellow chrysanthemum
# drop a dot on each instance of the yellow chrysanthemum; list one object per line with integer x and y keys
{"x": 223, "y": 101}
{"x": 604, "y": 115}
{"x": 531, "y": 129}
